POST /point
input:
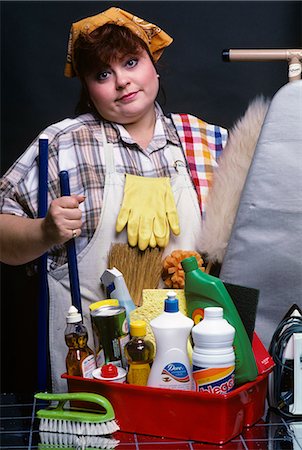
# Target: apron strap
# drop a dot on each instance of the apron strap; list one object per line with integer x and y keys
{"x": 177, "y": 159}
{"x": 108, "y": 152}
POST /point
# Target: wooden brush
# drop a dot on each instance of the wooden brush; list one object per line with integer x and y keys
{"x": 140, "y": 269}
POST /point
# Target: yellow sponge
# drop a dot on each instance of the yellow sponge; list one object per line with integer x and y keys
{"x": 153, "y": 306}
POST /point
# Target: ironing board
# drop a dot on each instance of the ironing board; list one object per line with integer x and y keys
{"x": 265, "y": 247}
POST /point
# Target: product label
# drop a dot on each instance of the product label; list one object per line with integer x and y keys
{"x": 138, "y": 374}
{"x": 125, "y": 327}
{"x": 197, "y": 315}
{"x": 116, "y": 348}
{"x": 88, "y": 366}
{"x": 100, "y": 358}
{"x": 215, "y": 380}
{"x": 122, "y": 342}
{"x": 175, "y": 372}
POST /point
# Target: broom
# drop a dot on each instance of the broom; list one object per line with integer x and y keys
{"x": 140, "y": 269}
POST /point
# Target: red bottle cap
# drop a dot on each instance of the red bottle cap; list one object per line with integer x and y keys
{"x": 109, "y": 371}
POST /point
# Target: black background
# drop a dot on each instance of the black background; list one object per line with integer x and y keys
{"x": 34, "y": 94}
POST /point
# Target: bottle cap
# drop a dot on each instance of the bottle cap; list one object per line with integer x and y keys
{"x": 138, "y": 328}
{"x": 73, "y": 315}
{"x": 213, "y": 312}
{"x": 109, "y": 371}
{"x": 171, "y": 302}
{"x": 189, "y": 264}
{"x": 107, "y": 302}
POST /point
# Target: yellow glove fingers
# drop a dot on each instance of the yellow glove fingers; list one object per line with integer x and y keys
{"x": 173, "y": 221}
{"x": 164, "y": 240}
{"x": 122, "y": 219}
{"x": 160, "y": 229}
{"x": 132, "y": 229}
{"x": 160, "y": 226}
{"x": 167, "y": 237}
{"x": 148, "y": 210}
{"x": 152, "y": 242}
{"x": 171, "y": 211}
{"x": 144, "y": 232}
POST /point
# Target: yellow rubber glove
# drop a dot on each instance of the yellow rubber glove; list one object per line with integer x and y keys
{"x": 149, "y": 211}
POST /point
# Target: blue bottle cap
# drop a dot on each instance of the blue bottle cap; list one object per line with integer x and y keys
{"x": 171, "y": 303}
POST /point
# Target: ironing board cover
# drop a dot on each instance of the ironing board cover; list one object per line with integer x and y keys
{"x": 265, "y": 246}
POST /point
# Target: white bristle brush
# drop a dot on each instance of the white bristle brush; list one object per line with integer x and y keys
{"x": 77, "y": 421}
{"x": 62, "y": 440}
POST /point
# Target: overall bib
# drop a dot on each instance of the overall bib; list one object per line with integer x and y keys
{"x": 92, "y": 261}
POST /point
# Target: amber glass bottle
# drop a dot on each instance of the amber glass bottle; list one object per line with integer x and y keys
{"x": 80, "y": 360}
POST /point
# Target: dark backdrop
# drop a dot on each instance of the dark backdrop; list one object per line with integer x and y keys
{"x": 34, "y": 93}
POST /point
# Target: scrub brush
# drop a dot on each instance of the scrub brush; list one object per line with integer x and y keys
{"x": 75, "y": 420}
{"x": 72, "y": 441}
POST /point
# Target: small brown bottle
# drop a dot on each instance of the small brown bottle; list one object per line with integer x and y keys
{"x": 139, "y": 353}
{"x": 80, "y": 360}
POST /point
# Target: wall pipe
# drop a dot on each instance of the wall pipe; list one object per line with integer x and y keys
{"x": 292, "y": 56}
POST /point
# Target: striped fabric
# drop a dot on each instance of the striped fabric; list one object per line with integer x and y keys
{"x": 203, "y": 144}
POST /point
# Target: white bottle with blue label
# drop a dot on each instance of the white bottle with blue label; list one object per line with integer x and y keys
{"x": 171, "y": 367}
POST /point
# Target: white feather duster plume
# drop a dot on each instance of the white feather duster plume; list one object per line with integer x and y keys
{"x": 228, "y": 180}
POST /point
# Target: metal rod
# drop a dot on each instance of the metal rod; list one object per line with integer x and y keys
{"x": 292, "y": 56}
{"x": 261, "y": 55}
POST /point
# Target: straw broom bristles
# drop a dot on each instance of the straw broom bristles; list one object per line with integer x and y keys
{"x": 140, "y": 269}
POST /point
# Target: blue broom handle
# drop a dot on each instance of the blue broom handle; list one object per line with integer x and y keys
{"x": 42, "y": 269}
{"x": 71, "y": 252}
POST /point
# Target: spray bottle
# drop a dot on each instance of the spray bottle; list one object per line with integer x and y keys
{"x": 203, "y": 290}
{"x": 116, "y": 288}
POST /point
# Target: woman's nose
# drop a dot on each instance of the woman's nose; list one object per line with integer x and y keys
{"x": 122, "y": 80}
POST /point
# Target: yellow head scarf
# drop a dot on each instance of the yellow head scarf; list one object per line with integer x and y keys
{"x": 155, "y": 38}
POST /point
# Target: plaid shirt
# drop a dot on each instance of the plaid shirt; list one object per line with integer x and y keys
{"x": 74, "y": 145}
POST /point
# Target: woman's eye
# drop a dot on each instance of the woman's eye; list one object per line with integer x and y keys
{"x": 132, "y": 62}
{"x": 101, "y": 76}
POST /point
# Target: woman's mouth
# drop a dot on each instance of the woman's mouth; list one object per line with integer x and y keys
{"x": 127, "y": 97}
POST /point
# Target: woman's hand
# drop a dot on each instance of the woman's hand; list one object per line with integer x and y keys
{"x": 63, "y": 220}
{"x": 23, "y": 240}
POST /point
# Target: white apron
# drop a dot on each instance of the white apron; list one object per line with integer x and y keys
{"x": 92, "y": 261}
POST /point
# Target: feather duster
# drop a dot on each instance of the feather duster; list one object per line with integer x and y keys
{"x": 228, "y": 180}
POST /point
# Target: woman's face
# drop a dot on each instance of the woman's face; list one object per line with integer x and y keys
{"x": 126, "y": 90}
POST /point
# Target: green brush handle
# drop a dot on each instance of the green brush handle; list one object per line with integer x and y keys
{"x": 59, "y": 413}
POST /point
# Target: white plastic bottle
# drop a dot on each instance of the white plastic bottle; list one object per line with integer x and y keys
{"x": 171, "y": 367}
{"x": 213, "y": 354}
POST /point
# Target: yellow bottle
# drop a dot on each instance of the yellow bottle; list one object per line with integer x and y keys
{"x": 139, "y": 353}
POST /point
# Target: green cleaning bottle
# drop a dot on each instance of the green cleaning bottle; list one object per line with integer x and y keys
{"x": 203, "y": 290}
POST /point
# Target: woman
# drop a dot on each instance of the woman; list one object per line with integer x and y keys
{"x": 128, "y": 164}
